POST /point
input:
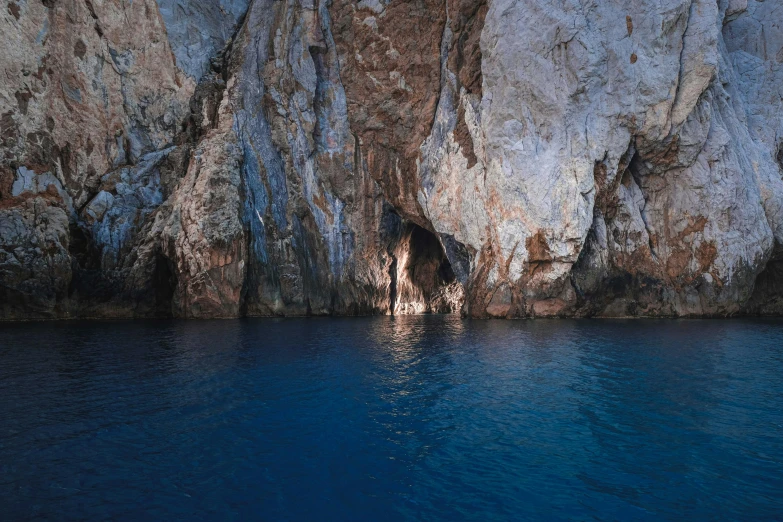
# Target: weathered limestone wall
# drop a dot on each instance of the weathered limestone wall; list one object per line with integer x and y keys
{"x": 502, "y": 158}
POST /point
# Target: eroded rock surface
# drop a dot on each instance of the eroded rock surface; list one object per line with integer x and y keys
{"x": 496, "y": 158}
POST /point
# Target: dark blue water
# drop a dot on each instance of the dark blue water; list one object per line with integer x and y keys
{"x": 413, "y": 418}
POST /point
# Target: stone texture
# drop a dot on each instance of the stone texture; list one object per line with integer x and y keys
{"x": 625, "y": 183}
{"x": 88, "y": 87}
{"x": 198, "y": 30}
{"x": 498, "y": 158}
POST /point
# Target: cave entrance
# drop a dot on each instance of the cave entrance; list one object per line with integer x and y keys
{"x": 423, "y": 280}
{"x": 165, "y": 284}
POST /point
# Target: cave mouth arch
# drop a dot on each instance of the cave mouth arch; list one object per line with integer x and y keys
{"x": 422, "y": 278}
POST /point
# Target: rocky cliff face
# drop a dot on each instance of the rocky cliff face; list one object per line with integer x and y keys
{"x": 500, "y": 158}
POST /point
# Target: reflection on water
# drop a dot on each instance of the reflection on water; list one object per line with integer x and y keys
{"x": 421, "y": 418}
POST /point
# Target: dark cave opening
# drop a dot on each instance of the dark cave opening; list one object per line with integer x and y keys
{"x": 88, "y": 281}
{"x": 779, "y": 156}
{"x": 767, "y": 296}
{"x": 83, "y": 249}
{"x": 393, "y": 285}
{"x": 164, "y": 284}
{"x": 422, "y": 278}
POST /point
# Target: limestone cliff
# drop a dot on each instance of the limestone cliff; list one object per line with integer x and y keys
{"x": 498, "y": 158}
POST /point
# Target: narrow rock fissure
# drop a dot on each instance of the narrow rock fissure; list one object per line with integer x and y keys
{"x": 165, "y": 284}
{"x": 779, "y": 157}
{"x": 635, "y": 171}
{"x": 392, "y": 285}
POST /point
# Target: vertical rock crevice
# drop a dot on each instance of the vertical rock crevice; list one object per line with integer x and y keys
{"x": 393, "y": 284}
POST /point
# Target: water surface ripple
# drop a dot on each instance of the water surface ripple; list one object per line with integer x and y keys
{"x": 407, "y": 418}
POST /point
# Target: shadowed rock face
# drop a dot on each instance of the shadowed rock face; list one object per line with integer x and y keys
{"x": 222, "y": 158}
{"x": 198, "y": 31}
